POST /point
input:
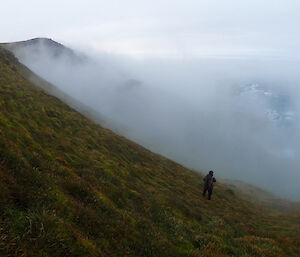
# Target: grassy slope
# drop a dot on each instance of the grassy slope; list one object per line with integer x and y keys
{"x": 260, "y": 197}
{"x": 72, "y": 188}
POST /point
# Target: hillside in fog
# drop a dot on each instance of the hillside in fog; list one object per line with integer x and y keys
{"x": 70, "y": 187}
{"x": 239, "y": 117}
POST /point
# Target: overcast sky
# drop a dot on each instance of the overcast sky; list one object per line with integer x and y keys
{"x": 189, "y": 28}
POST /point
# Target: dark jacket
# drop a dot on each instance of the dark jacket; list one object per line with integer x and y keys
{"x": 209, "y": 181}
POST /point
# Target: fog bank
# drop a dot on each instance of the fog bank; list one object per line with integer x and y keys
{"x": 239, "y": 116}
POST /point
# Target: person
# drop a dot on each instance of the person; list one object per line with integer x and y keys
{"x": 209, "y": 181}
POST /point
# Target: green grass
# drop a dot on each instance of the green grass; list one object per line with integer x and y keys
{"x": 72, "y": 188}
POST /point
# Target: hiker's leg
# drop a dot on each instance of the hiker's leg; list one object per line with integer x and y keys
{"x": 204, "y": 191}
{"x": 209, "y": 193}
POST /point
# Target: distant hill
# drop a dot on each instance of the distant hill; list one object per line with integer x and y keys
{"x": 70, "y": 187}
{"x": 39, "y": 45}
{"x": 56, "y": 49}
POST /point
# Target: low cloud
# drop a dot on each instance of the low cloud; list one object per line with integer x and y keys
{"x": 239, "y": 117}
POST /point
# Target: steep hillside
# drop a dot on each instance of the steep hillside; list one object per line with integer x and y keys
{"x": 72, "y": 188}
{"x": 56, "y": 49}
{"x": 261, "y": 197}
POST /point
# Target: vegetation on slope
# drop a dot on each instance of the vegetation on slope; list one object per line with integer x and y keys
{"x": 260, "y": 197}
{"x": 72, "y": 188}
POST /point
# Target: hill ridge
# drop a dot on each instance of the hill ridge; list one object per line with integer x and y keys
{"x": 51, "y": 47}
{"x": 35, "y": 40}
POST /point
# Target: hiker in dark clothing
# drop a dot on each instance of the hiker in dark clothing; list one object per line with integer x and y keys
{"x": 209, "y": 181}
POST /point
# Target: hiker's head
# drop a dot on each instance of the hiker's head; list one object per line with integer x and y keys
{"x": 211, "y": 172}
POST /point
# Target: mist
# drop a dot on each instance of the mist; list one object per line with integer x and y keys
{"x": 236, "y": 116}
